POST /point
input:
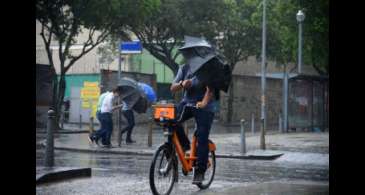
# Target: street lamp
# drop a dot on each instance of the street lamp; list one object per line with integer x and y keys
{"x": 263, "y": 78}
{"x": 300, "y": 19}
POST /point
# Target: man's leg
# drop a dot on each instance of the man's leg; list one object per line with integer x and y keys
{"x": 185, "y": 113}
{"x": 130, "y": 118}
{"x": 125, "y": 129}
{"x": 98, "y": 115}
{"x": 204, "y": 121}
{"x": 101, "y": 132}
{"x": 109, "y": 128}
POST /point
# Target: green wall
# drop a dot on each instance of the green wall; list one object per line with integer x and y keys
{"x": 146, "y": 63}
{"x": 77, "y": 80}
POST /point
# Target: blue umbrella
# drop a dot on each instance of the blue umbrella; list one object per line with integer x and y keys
{"x": 148, "y": 90}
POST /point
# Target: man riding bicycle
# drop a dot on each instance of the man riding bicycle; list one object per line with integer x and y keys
{"x": 197, "y": 102}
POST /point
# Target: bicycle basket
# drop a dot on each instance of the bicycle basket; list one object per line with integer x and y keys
{"x": 164, "y": 111}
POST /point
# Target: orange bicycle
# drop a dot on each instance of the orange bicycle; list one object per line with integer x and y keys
{"x": 164, "y": 167}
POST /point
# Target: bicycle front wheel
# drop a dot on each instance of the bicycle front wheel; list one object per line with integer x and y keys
{"x": 209, "y": 173}
{"x": 163, "y": 171}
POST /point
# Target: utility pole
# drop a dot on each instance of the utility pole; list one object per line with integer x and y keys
{"x": 120, "y": 60}
{"x": 285, "y": 99}
{"x": 263, "y": 78}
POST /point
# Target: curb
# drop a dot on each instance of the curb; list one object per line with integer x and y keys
{"x": 250, "y": 157}
{"x": 63, "y": 175}
{"x": 150, "y": 153}
{"x": 67, "y": 131}
{"x": 105, "y": 151}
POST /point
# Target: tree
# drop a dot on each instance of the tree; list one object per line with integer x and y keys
{"x": 282, "y": 33}
{"x": 228, "y": 25}
{"x": 161, "y": 33}
{"x": 64, "y": 20}
{"x": 316, "y": 27}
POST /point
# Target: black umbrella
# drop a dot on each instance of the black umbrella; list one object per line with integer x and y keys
{"x": 215, "y": 73}
{"x": 206, "y": 64}
{"x": 132, "y": 95}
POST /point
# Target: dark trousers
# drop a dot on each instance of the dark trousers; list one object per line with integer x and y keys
{"x": 128, "y": 114}
{"x": 98, "y": 116}
{"x": 203, "y": 121}
{"x": 106, "y": 128}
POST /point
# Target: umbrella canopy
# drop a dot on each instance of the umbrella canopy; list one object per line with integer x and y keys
{"x": 148, "y": 91}
{"x": 141, "y": 105}
{"x": 132, "y": 95}
{"x": 196, "y": 61}
{"x": 206, "y": 64}
{"x": 216, "y": 74}
{"x": 190, "y": 42}
{"x": 127, "y": 87}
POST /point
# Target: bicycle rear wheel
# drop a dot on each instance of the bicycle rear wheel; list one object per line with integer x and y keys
{"x": 209, "y": 173}
{"x": 163, "y": 171}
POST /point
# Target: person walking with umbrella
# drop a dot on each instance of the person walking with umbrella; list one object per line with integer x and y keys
{"x": 128, "y": 114}
{"x": 197, "y": 102}
{"x": 137, "y": 97}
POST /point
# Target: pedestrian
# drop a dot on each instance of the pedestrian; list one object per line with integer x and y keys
{"x": 197, "y": 102}
{"x": 98, "y": 108}
{"x": 106, "y": 119}
{"x": 127, "y": 111}
{"x": 129, "y": 115}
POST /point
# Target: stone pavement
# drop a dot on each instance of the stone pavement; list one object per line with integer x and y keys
{"x": 274, "y": 188}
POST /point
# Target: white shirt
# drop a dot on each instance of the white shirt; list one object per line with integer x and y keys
{"x": 107, "y": 104}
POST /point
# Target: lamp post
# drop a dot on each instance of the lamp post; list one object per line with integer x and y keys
{"x": 263, "y": 78}
{"x": 300, "y": 19}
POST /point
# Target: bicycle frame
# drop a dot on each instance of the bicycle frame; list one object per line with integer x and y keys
{"x": 188, "y": 161}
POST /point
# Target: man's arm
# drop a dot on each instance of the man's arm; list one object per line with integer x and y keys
{"x": 177, "y": 83}
{"x": 207, "y": 97}
{"x": 117, "y": 106}
{"x": 175, "y": 87}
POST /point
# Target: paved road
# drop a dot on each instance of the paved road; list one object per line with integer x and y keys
{"x": 118, "y": 174}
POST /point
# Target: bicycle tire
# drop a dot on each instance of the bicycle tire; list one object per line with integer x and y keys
{"x": 205, "y": 186}
{"x": 163, "y": 148}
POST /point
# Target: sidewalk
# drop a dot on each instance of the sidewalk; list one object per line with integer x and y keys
{"x": 297, "y": 147}
{"x": 274, "y": 188}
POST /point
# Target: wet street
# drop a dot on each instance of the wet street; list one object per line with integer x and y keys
{"x": 126, "y": 174}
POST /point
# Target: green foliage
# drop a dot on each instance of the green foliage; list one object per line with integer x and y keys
{"x": 227, "y": 24}
{"x": 64, "y": 20}
{"x": 282, "y": 32}
{"x": 161, "y": 32}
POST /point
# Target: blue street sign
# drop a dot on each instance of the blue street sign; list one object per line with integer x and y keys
{"x": 130, "y": 47}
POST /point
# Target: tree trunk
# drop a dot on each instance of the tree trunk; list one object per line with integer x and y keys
{"x": 58, "y": 95}
{"x": 230, "y": 104}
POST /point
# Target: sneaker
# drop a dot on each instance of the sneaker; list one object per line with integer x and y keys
{"x": 91, "y": 139}
{"x": 107, "y": 146}
{"x": 198, "y": 177}
{"x": 97, "y": 141}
